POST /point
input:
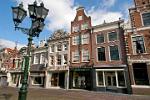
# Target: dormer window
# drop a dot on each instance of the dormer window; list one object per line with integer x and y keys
{"x": 79, "y": 18}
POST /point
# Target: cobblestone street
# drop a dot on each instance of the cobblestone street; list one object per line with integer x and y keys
{"x": 9, "y": 93}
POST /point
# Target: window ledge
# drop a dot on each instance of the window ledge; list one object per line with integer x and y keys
{"x": 141, "y": 86}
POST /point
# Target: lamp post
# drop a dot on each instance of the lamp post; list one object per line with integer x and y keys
{"x": 37, "y": 15}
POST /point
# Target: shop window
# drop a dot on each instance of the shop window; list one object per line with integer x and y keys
{"x": 38, "y": 80}
{"x": 101, "y": 54}
{"x": 54, "y": 79}
{"x": 100, "y": 38}
{"x": 121, "y": 78}
{"x": 14, "y": 78}
{"x": 100, "y": 78}
{"x": 114, "y": 52}
{"x": 140, "y": 74}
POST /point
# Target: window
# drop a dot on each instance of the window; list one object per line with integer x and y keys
{"x": 52, "y": 60}
{"x": 58, "y": 59}
{"x": 84, "y": 26}
{"x": 100, "y": 78}
{"x": 75, "y": 28}
{"x": 66, "y": 46}
{"x": 140, "y": 74}
{"x": 59, "y": 47}
{"x": 114, "y": 52}
{"x": 146, "y": 19}
{"x": 100, "y": 38}
{"x": 42, "y": 59}
{"x": 121, "y": 80}
{"x": 36, "y": 59}
{"x": 38, "y": 80}
{"x": 79, "y": 18}
{"x": 112, "y": 36}
{"x": 75, "y": 56}
{"x": 53, "y": 48}
{"x": 101, "y": 54}
{"x": 85, "y": 38}
{"x": 138, "y": 44}
{"x": 65, "y": 58}
{"x": 14, "y": 78}
{"x": 75, "y": 40}
{"x": 85, "y": 55}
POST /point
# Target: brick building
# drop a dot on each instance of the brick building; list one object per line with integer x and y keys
{"x": 110, "y": 71}
{"x": 10, "y": 69}
{"x": 80, "y": 51}
{"x": 138, "y": 47}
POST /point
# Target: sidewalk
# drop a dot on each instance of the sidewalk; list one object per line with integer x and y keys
{"x": 9, "y": 93}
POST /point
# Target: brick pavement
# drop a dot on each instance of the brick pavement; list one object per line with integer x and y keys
{"x": 9, "y": 93}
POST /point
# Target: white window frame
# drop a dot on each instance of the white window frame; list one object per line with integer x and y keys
{"x": 51, "y": 60}
{"x": 85, "y": 38}
{"x": 112, "y": 32}
{"x": 73, "y": 55}
{"x": 75, "y": 40}
{"x": 118, "y": 52}
{"x": 42, "y": 58}
{"x": 51, "y": 48}
{"x": 97, "y": 54}
{"x": 142, "y": 17}
{"x": 84, "y": 26}
{"x": 133, "y": 47}
{"x": 84, "y": 51}
{"x": 36, "y": 58}
{"x": 116, "y": 75}
{"x": 100, "y": 34}
{"x": 60, "y": 60}
{"x": 65, "y": 48}
{"x": 75, "y": 28}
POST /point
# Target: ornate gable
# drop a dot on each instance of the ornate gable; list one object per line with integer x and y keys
{"x": 58, "y": 34}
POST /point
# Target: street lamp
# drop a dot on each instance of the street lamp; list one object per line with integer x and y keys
{"x": 37, "y": 15}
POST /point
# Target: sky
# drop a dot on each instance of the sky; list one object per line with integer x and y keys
{"x": 61, "y": 13}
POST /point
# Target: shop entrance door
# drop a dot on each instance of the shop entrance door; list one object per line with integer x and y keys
{"x": 110, "y": 80}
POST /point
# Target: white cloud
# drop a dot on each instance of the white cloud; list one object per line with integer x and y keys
{"x": 62, "y": 12}
{"x": 9, "y": 44}
{"x": 107, "y": 3}
{"x": 99, "y": 15}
